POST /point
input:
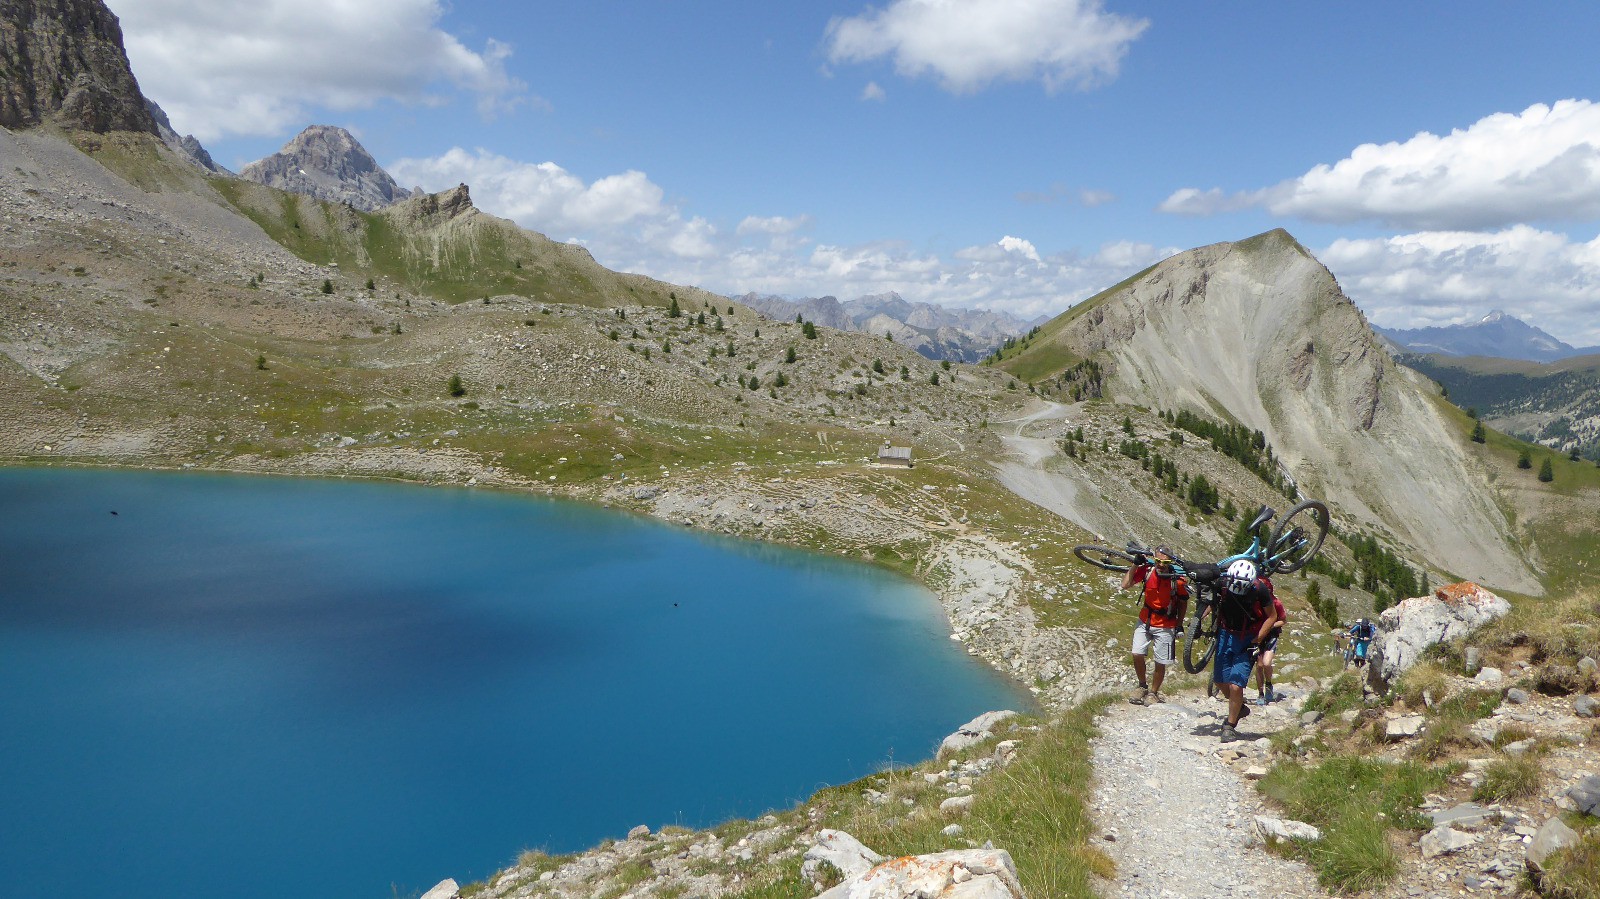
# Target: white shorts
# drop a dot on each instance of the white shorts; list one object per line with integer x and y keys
{"x": 1162, "y": 637}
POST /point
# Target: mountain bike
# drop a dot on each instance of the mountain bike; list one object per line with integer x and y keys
{"x": 1291, "y": 546}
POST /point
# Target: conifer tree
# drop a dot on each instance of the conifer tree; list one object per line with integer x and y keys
{"x": 1547, "y": 472}
{"x": 1477, "y": 433}
{"x": 673, "y": 311}
{"x": 1524, "y": 460}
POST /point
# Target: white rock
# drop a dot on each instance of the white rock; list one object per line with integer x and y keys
{"x": 973, "y": 732}
{"x": 1489, "y": 676}
{"x": 1271, "y": 829}
{"x": 1443, "y": 840}
{"x": 1412, "y": 625}
{"x": 840, "y": 850}
{"x": 964, "y": 874}
{"x": 444, "y": 889}
{"x": 1552, "y": 835}
{"x": 1404, "y": 726}
{"x": 956, "y": 805}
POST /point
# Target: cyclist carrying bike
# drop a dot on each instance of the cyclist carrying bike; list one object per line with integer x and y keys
{"x": 1166, "y": 598}
{"x": 1362, "y": 633}
{"x": 1245, "y": 616}
{"x": 1269, "y": 648}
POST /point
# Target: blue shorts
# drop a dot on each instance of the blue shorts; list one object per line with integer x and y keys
{"x": 1361, "y": 648}
{"x": 1234, "y": 660}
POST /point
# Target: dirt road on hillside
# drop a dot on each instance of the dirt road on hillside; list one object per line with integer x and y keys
{"x": 1036, "y": 471}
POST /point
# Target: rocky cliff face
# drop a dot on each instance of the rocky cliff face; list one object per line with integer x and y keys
{"x": 62, "y": 62}
{"x": 328, "y": 163}
{"x": 1258, "y": 332}
{"x": 185, "y": 145}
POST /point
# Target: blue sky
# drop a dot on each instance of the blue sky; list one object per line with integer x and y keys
{"x": 1442, "y": 160}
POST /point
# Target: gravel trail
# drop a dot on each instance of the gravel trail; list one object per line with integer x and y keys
{"x": 1175, "y": 810}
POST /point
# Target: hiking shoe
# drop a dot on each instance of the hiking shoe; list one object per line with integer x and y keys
{"x": 1244, "y": 711}
{"x": 1262, "y": 700}
{"x": 1138, "y": 696}
{"x": 1155, "y": 698}
{"x": 1229, "y": 734}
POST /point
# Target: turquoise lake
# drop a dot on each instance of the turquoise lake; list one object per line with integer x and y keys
{"x": 256, "y": 687}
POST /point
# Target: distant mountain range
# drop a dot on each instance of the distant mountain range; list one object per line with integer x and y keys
{"x": 1497, "y": 334}
{"x": 937, "y": 332}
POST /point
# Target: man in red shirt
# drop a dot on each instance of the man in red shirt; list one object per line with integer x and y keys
{"x": 1166, "y": 597}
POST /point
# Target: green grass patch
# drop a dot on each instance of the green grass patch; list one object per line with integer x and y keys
{"x": 1354, "y": 801}
{"x": 1510, "y": 778}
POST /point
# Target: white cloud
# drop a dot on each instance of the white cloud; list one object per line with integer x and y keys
{"x": 1061, "y": 193}
{"x": 1018, "y": 245}
{"x": 873, "y": 92}
{"x": 969, "y": 44}
{"x": 1540, "y": 165}
{"x": 776, "y": 224}
{"x": 1447, "y": 277}
{"x": 627, "y": 225}
{"x": 215, "y": 78}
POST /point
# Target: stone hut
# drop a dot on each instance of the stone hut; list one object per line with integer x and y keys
{"x": 898, "y": 456}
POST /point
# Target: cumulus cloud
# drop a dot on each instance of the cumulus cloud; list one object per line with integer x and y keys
{"x": 966, "y": 45}
{"x": 1542, "y": 164}
{"x": 1448, "y": 277}
{"x": 873, "y": 92}
{"x": 546, "y": 197}
{"x": 627, "y": 225}
{"x": 215, "y": 78}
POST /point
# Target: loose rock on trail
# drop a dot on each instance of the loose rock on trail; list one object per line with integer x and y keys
{"x": 1175, "y": 809}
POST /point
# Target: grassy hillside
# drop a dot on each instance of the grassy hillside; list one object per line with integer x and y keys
{"x": 1555, "y": 404}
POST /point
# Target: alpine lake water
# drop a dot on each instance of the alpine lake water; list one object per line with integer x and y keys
{"x": 259, "y": 687}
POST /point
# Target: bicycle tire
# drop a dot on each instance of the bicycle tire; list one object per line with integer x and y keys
{"x": 1203, "y": 637}
{"x": 1295, "y": 543}
{"x": 1103, "y": 557}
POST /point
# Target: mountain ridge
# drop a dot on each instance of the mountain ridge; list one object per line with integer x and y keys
{"x": 1497, "y": 334}
{"x": 1258, "y": 332}
{"x": 937, "y": 332}
{"x": 328, "y": 163}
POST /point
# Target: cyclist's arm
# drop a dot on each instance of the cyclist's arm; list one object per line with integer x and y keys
{"x": 1134, "y": 576}
{"x": 1266, "y": 626}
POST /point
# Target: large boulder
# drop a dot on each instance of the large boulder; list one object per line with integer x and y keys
{"x": 1413, "y": 625}
{"x": 973, "y": 732}
{"x": 1553, "y": 835}
{"x": 964, "y": 874}
{"x": 842, "y": 851}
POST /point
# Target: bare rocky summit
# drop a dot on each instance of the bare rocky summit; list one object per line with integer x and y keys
{"x": 1258, "y": 332}
{"x": 328, "y": 163}
{"x": 62, "y": 63}
{"x": 185, "y": 145}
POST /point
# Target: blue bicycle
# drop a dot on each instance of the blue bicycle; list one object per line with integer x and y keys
{"x": 1291, "y": 546}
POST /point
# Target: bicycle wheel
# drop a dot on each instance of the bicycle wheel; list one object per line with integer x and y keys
{"x": 1104, "y": 557}
{"x": 1298, "y": 537}
{"x": 1199, "y": 644}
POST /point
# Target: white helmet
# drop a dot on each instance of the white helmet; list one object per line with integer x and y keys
{"x": 1241, "y": 575}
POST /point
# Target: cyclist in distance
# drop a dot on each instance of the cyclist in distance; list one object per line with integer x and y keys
{"x": 1166, "y": 598}
{"x": 1362, "y": 633}
{"x": 1245, "y": 610}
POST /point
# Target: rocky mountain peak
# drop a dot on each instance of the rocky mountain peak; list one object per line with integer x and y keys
{"x": 1258, "y": 333}
{"x": 328, "y": 163}
{"x": 185, "y": 145}
{"x": 63, "y": 63}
